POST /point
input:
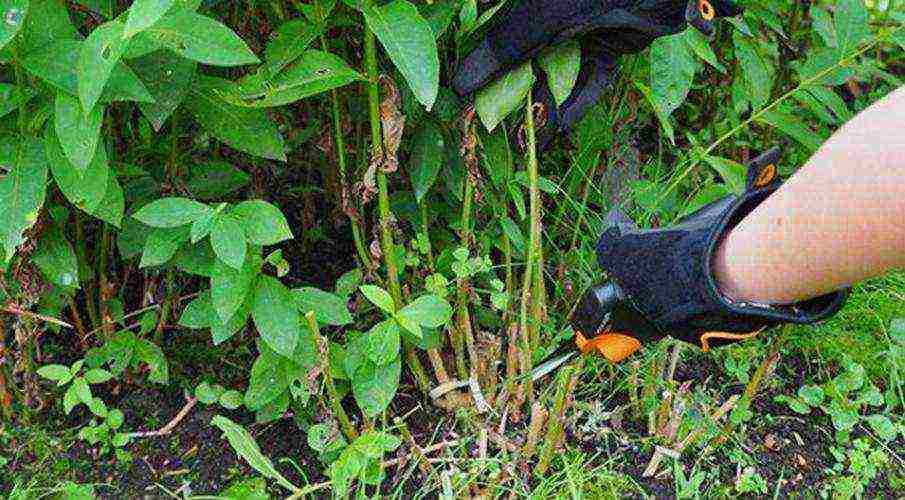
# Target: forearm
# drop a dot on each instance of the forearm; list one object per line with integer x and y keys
{"x": 838, "y": 220}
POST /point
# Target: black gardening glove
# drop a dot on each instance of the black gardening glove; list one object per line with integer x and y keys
{"x": 663, "y": 284}
{"x": 605, "y": 29}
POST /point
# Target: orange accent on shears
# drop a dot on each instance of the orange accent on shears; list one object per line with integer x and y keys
{"x": 707, "y": 10}
{"x": 766, "y": 176}
{"x": 705, "y": 339}
{"x": 612, "y": 346}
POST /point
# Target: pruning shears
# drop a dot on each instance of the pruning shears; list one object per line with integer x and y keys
{"x": 601, "y": 307}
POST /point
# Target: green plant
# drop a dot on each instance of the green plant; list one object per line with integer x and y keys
{"x": 79, "y": 383}
{"x": 216, "y": 394}
{"x": 864, "y": 463}
{"x": 286, "y": 198}
{"x": 843, "y": 399}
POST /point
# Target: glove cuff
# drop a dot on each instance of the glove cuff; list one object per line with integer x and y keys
{"x": 667, "y": 274}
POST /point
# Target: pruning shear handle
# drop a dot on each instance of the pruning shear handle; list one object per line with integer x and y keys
{"x": 602, "y": 307}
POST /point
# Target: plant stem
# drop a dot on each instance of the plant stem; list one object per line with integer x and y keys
{"x": 103, "y": 283}
{"x": 339, "y": 144}
{"x": 538, "y": 298}
{"x": 531, "y": 253}
{"x": 383, "y": 197}
{"x": 170, "y": 297}
{"x": 332, "y": 395}
{"x": 555, "y": 428}
{"x": 383, "y": 200}
{"x": 425, "y": 226}
{"x": 462, "y": 294}
{"x": 82, "y": 251}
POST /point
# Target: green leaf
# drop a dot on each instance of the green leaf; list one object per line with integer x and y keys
{"x": 851, "y": 25}
{"x": 47, "y": 21}
{"x": 161, "y": 245}
{"x": 223, "y": 331}
{"x": 98, "y": 376}
{"x": 245, "y": 129}
{"x": 198, "y": 313}
{"x": 268, "y": 379}
{"x": 662, "y": 117}
{"x": 409, "y": 41}
{"x": 55, "y": 258}
{"x": 203, "y": 227}
{"x": 231, "y": 399}
{"x": 78, "y": 133}
{"x": 215, "y": 179}
{"x": 57, "y": 64}
{"x": 497, "y": 157}
{"x": 811, "y": 394}
{"x": 427, "y": 157}
{"x": 439, "y": 15}
{"x": 99, "y": 54}
{"x": 230, "y": 287}
{"x": 822, "y": 67}
{"x": 701, "y": 46}
{"x": 12, "y": 97}
{"x": 84, "y": 189}
{"x": 202, "y": 39}
{"x": 705, "y": 196}
{"x": 732, "y": 172}
{"x": 113, "y": 204}
{"x": 756, "y": 69}
{"x": 383, "y": 342}
{"x": 228, "y": 240}
{"x": 429, "y": 311}
{"x": 207, "y": 394}
{"x": 22, "y": 192}
{"x": 832, "y": 101}
{"x": 375, "y": 386}
{"x": 379, "y": 297}
{"x": 561, "y": 64}
{"x": 328, "y": 308}
{"x": 115, "y": 419}
{"x": 143, "y": 14}
{"x": 824, "y": 25}
{"x": 171, "y": 212}
{"x": 503, "y": 96}
{"x": 316, "y": 72}
{"x": 320, "y": 436}
{"x": 58, "y": 373}
{"x": 790, "y": 125}
{"x": 276, "y": 315}
{"x": 264, "y": 223}
{"x": 672, "y": 68}
{"x": 14, "y": 13}
{"x": 169, "y": 79}
{"x": 883, "y": 427}
{"x": 410, "y": 327}
{"x": 152, "y": 355}
{"x": 70, "y": 399}
{"x": 197, "y": 259}
{"x": 82, "y": 391}
{"x": 97, "y": 407}
{"x": 245, "y": 447}
{"x": 288, "y": 43}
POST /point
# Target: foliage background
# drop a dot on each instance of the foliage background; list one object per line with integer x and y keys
{"x": 184, "y": 181}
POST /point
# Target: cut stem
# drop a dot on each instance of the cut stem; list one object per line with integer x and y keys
{"x": 332, "y": 395}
